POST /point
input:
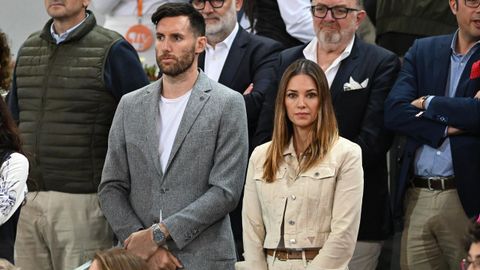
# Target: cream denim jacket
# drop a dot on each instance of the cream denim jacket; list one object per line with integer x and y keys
{"x": 322, "y": 207}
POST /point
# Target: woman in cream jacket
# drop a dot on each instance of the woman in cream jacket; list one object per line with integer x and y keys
{"x": 303, "y": 192}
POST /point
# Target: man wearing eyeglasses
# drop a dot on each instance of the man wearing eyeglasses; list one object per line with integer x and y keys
{"x": 434, "y": 102}
{"x": 360, "y": 77}
{"x": 236, "y": 58}
{"x": 239, "y": 60}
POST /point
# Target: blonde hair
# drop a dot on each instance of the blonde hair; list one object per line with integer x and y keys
{"x": 119, "y": 259}
{"x": 324, "y": 131}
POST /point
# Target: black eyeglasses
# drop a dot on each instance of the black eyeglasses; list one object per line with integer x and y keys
{"x": 466, "y": 262}
{"x": 200, "y": 4}
{"x": 472, "y": 3}
{"x": 320, "y": 11}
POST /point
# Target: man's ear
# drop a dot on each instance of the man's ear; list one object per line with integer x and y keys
{"x": 238, "y": 4}
{"x": 453, "y": 6}
{"x": 360, "y": 17}
{"x": 201, "y": 44}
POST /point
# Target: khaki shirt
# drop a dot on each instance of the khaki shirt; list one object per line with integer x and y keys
{"x": 320, "y": 208}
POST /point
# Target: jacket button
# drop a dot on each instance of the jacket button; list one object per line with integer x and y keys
{"x": 317, "y": 174}
{"x": 293, "y": 241}
{"x": 293, "y": 197}
{"x": 291, "y": 222}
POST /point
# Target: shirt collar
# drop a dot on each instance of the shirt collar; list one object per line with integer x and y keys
{"x": 62, "y": 37}
{"x": 454, "y": 42}
{"x": 228, "y": 41}
{"x": 289, "y": 150}
{"x": 310, "y": 51}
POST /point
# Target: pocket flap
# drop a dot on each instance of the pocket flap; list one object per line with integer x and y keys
{"x": 258, "y": 175}
{"x": 320, "y": 172}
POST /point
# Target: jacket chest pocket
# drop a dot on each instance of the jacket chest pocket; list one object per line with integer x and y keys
{"x": 270, "y": 193}
{"x": 319, "y": 190}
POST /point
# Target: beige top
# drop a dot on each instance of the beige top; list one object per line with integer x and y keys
{"x": 320, "y": 207}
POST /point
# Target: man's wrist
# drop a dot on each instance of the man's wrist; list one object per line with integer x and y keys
{"x": 164, "y": 230}
{"x": 158, "y": 235}
{"x": 424, "y": 101}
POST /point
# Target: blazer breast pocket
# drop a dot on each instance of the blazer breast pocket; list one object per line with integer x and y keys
{"x": 200, "y": 143}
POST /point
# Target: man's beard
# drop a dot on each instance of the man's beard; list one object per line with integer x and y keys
{"x": 334, "y": 36}
{"x": 224, "y": 24}
{"x": 183, "y": 63}
{"x": 330, "y": 37}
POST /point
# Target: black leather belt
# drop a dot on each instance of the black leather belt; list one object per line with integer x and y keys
{"x": 434, "y": 182}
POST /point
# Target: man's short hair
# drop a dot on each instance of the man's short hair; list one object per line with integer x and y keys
{"x": 197, "y": 23}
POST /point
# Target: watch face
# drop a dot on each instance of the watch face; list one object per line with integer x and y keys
{"x": 158, "y": 236}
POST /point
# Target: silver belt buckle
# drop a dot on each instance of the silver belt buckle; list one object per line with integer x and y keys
{"x": 435, "y": 178}
{"x": 429, "y": 184}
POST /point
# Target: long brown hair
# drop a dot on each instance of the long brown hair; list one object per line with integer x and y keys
{"x": 119, "y": 259}
{"x": 5, "y": 69}
{"x": 9, "y": 134}
{"x": 324, "y": 130}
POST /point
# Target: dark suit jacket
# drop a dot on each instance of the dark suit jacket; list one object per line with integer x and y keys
{"x": 250, "y": 60}
{"x": 360, "y": 119}
{"x": 425, "y": 72}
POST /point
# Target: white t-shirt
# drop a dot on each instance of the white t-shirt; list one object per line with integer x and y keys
{"x": 171, "y": 113}
{"x": 13, "y": 185}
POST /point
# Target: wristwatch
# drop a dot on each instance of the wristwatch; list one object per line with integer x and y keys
{"x": 158, "y": 236}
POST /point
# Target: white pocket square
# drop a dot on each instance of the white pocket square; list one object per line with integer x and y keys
{"x": 353, "y": 85}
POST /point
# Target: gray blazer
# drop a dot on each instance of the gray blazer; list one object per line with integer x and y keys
{"x": 203, "y": 179}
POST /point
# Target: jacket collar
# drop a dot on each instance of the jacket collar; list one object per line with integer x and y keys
{"x": 84, "y": 28}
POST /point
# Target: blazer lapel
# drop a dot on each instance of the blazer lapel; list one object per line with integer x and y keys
{"x": 234, "y": 57}
{"x": 347, "y": 66}
{"x": 197, "y": 100}
{"x": 151, "y": 113}
{"x": 442, "y": 59}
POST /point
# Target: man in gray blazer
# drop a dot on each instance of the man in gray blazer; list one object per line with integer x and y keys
{"x": 178, "y": 149}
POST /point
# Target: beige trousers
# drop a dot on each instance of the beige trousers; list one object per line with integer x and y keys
{"x": 60, "y": 231}
{"x": 435, "y": 225}
{"x": 365, "y": 256}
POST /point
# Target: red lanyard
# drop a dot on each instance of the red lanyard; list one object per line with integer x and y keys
{"x": 139, "y": 8}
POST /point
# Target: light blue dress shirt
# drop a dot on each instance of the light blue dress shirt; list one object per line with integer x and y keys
{"x": 62, "y": 37}
{"x": 431, "y": 161}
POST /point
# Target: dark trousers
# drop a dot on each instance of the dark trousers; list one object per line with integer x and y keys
{"x": 8, "y": 234}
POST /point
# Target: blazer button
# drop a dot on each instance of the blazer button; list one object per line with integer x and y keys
{"x": 293, "y": 197}
{"x": 293, "y": 241}
{"x": 317, "y": 174}
{"x": 291, "y": 222}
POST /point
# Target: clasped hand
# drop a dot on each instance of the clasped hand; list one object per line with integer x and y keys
{"x": 158, "y": 258}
